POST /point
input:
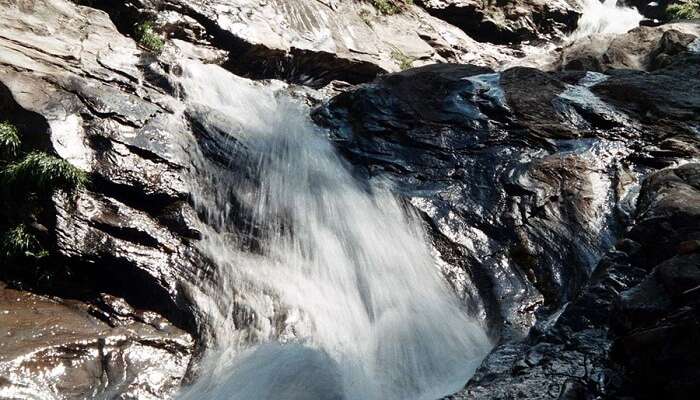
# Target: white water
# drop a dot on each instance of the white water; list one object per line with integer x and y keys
{"x": 330, "y": 292}
{"x": 605, "y": 17}
{"x": 597, "y": 18}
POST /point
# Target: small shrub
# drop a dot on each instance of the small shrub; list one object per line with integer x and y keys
{"x": 18, "y": 241}
{"x": 44, "y": 173}
{"x": 147, "y": 37}
{"x": 688, "y": 10}
{"x": 387, "y": 7}
{"x": 365, "y": 16}
{"x": 404, "y": 61}
{"x": 9, "y": 140}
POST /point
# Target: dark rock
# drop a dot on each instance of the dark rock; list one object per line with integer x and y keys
{"x": 55, "y": 347}
{"x": 655, "y": 10}
{"x": 450, "y": 151}
{"x": 79, "y": 89}
{"x": 625, "y": 334}
{"x": 644, "y": 48}
{"x": 507, "y": 22}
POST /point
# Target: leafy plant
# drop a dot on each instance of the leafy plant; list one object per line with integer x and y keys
{"x": 686, "y": 10}
{"x": 404, "y": 61}
{"x": 26, "y": 184}
{"x": 148, "y": 38}
{"x": 9, "y": 140}
{"x": 365, "y": 16}
{"x": 18, "y": 241}
{"x": 43, "y": 172}
{"x": 390, "y": 7}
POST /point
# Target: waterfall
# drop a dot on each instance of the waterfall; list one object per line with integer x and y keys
{"x": 324, "y": 287}
{"x": 605, "y": 17}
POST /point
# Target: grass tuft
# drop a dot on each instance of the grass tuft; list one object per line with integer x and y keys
{"x": 390, "y": 7}
{"x": 404, "y": 61}
{"x": 18, "y": 241}
{"x": 44, "y": 173}
{"x": 9, "y": 140}
{"x": 148, "y": 38}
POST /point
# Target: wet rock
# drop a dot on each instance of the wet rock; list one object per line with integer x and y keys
{"x": 643, "y": 48}
{"x": 669, "y": 214}
{"x": 525, "y": 180}
{"x": 82, "y": 91}
{"x": 655, "y": 349}
{"x": 311, "y": 42}
{"x": 507, "y": 22}
{"x": 655, "y": 10}
{"x": 489, "y": 161}
{"x": 55, "y": 348}
{"x": 627, "y": 333}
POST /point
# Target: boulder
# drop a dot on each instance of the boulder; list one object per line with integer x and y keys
{"x": 489, "y": 162}
{"x": 655, "y": 349}
{"x": 644, "y": 48}
{"x": 59, "y": 348}
{"x": 628, "y": 332}
{"x": 507, "y": 21}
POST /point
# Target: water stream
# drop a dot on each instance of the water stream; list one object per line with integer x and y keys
{"x": 323, "y": 286}
{"x": 328, "y": 290}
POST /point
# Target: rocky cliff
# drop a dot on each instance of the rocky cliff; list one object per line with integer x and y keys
{"x": 561, "y": 203}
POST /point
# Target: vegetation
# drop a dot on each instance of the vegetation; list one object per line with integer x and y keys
{"x": 18, "y": 242}
{"x": 687, "y": 10}
{"x": 27, "y": 181}
{"x": 390, "y": 7}
{"x": 404, "y": 61}
{"x": 40, "y": 172}
{"x": 148, "y": 38}
{"x": 9, "y": 140}
{"x": 365, "y": 16}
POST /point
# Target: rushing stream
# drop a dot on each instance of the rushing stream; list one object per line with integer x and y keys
{"x": 328, "y": 291}
{"x": 323, "y": 286}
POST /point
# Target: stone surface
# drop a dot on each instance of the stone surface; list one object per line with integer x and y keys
{"x": 68, "y": 349}
{"x": 79, "y": 89}
{"x": 507, "y": 21}
{"x": 643, "y": 48}
{"x": 525, "y": 180}
{"x": 629, "y": 332}
{"x": 312, "y": 42}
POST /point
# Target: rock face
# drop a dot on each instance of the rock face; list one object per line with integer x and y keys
{"x": 309, "y": 41}
{"x": 562, "y": 206}
{"x": 523, "y": 195}
{"x": 512, "y": 185}
{"x": 70, "y": 80}
{"x": 629, "y": 331}
{"x": 644, "y": 48}
{"x": 507, "y": 21}
{"x": 660, "y": 317}
{"x": 54, "y": 348}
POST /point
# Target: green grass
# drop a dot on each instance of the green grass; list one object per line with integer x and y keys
{"x": 148, "y": 38}
{"x": 18, "y": 241}
{"x": 44, "y": 173}
{"x": 9, "y": 140}
{"x": 404, "y": 61}
{"x": 688, "y": 10}
{"x": 390, "y": 7}
{"x": 27, "y": 181}
{"x": 366, "y": 16}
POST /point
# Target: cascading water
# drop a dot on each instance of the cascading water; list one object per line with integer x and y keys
{"x": 323, "y": 288}
{"x": 605, "y": 17}
{"x": 597, "y": 17}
